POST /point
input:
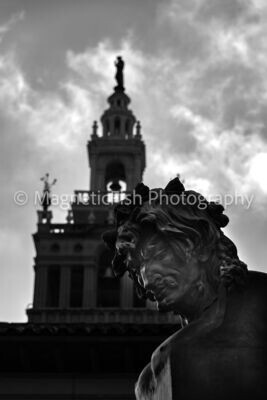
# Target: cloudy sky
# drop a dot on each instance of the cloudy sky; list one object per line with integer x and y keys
{"x": 196, "y": 71}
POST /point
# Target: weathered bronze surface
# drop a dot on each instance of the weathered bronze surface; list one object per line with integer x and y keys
{"x": 179, "y": 257}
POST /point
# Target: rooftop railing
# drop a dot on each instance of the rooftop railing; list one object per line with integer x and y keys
{"x": 101, "y": 315}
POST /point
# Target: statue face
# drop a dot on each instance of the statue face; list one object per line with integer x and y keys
{"x": 173, "y": 283}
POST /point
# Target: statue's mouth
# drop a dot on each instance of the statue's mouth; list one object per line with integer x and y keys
{"x": 163, "y": 306}
{"x": 160, "y": 296}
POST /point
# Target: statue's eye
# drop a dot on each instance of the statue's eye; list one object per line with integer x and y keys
{"x": 157, "y": 278}
{"x": 170, "y": 282}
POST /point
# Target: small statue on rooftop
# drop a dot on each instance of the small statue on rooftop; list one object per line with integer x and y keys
{"x": 46, "y": 198}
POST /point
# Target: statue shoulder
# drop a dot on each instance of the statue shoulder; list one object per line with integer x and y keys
{"x": 154, "y": 381}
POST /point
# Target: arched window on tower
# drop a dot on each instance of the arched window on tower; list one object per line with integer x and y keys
{"x": 107, "y": 128}
{"x": 117, "y": 126}
{"x": 76, "y": 286}
{"x": 108, "y": 287}
{"x": 115, "y": 180}
{"x": 127, "y": 128}
{"x": 53, "y": 284}
{"x": 55, "y": 248}
{"x": 78, "y": 248}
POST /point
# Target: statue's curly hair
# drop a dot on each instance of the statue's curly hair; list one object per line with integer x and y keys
{"x": 145, "y": 228}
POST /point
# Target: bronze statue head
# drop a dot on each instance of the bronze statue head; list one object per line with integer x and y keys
{"x": 171, "y": 243}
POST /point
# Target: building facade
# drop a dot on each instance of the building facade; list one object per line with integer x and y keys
{"x": 88, "y": 334}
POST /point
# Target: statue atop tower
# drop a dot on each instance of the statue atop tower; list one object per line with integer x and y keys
{"x": 119, "y": 64}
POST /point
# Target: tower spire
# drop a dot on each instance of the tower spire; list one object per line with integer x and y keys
{"x": 117, "y": 157}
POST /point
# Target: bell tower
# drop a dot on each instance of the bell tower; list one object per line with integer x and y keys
{"x": 117, "y": 155}
{"x": 73, "y": 277}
